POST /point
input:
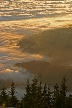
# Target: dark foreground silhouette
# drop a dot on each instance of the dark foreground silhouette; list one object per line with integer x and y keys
{"x": 38, "y": 95}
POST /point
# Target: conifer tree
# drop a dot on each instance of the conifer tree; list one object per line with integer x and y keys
{"x": 57, "y": 102}
{"x": 45, "y": 89}
{"x": 69, "y": 101}
{"x": 4, "y": 97}
{"x": 49, "y": 98}
{"x": 26, "y": 100}
{"x": 44, "y": 96}
{"x": 34, "y": 92}
{"x": 63, "y": 93}
{"x": 13, "y": 98}
{"x": 39, "y": 95}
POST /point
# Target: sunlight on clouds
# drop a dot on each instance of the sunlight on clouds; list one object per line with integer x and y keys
{"x": 36, "y": 24}
{"x": 8, "y": 70}
{"x": 10, "y": 53}
{"x": 37, "y": 56}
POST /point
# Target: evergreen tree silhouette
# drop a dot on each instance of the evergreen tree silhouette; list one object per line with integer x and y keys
{"x": 13, "y": 98}
{"x": 44, "y": 96}
{"x": 4, "y": 97}
{"x": 49, "y": 98}
{"x": 69, "y": 101}
{"x": 63, "y": 93}
{"x": 26, "y": 100}
{"x": 57, "y": 101}
{"x": 39, "y": 95}
{"x": 34, "y": 92}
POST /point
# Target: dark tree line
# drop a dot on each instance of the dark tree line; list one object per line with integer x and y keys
{"x": 38, "y": 95}
{"x": 8, "y": 98}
